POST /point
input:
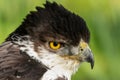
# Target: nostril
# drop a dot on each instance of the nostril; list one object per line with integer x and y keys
{"x": 81, "y": 49}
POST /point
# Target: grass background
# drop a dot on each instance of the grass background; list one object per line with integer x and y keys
{"x": 103, "y": 20}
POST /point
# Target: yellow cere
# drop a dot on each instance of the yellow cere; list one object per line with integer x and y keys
{"x": 54, "y": 45}
{"x": 83, "y": 45}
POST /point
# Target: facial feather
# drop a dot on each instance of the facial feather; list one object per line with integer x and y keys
{"x": 51, "y": 60}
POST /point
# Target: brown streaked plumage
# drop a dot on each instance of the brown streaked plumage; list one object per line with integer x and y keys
{"x": 14, "y": 64}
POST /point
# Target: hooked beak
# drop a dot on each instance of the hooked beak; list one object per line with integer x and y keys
{"x": 86, "y": 53}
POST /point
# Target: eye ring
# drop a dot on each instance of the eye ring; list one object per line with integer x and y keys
{"x": 54, "y": 45}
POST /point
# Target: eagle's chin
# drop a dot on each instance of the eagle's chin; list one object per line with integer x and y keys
{"x": 61, "y": 71}
{"x": 59, "y": 67}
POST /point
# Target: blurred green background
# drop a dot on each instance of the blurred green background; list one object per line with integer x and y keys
{"x": 103, "y": 20}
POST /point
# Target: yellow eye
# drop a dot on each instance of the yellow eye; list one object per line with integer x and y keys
{"x": 54, "y": 45}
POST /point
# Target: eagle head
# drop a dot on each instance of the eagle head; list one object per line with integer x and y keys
{"x": 56, "y": 38}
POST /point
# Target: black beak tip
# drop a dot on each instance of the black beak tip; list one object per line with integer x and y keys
{"x": 91, "y": 61}
{"x": 92, "y": 64}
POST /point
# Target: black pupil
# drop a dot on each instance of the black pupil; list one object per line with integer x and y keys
{"x": 55, "y": 43}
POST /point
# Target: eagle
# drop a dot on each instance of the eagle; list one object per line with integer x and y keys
{"x": 50, "y": 44}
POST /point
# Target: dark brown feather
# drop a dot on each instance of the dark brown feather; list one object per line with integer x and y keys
{"x": 53, "y": 20}
{"x": 15, "y": 65}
